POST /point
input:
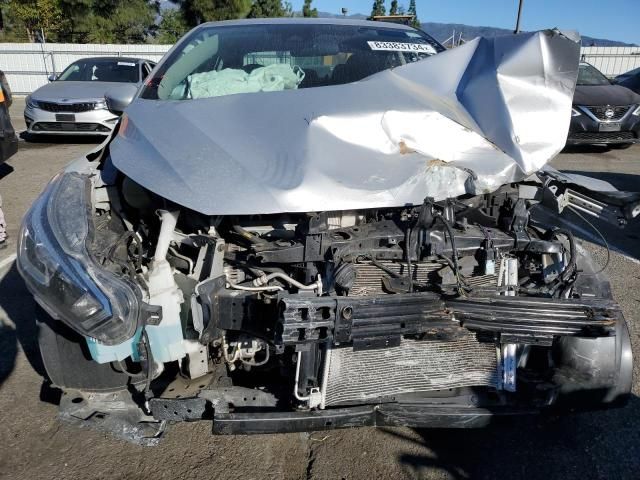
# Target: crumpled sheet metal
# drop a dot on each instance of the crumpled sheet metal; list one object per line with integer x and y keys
{"x": 467, "y": 120}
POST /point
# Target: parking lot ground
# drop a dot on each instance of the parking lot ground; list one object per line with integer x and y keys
{"x": 34, "y": 444}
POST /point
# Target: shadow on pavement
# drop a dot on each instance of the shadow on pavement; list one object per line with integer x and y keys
{"x": 19, "y": 306}
{"x": 5, "y": 170}
{"x": 43, "y": 138}
{"x": 604, "y": 444}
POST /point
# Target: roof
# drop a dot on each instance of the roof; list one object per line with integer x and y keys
{"x": 311, "y": 21}
{"x": 116, "y": 59}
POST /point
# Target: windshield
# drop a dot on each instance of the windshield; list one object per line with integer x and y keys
{"x": 225, "y": 60}
{"x": 588, "y": 75}
{"x": 101, "y": 70}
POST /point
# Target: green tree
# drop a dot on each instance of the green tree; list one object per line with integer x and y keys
{"x": 197, "y": 11}
{"x": 378, "y": 8}
{"x": 172, "y": 27}
{"x": 267, "y": 9}
{"x": 129, "y": 22}
{"x": 393, "y": 10}
{"x": 412, "y": 11}
{"x": 36, "y": 16}
{"x": 307, "y": 11}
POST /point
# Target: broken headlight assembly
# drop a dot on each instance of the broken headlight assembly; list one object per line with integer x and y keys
{"x": 53, "y": 260}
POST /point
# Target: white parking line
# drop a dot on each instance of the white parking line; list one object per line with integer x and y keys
{"x": 7, "y": 261}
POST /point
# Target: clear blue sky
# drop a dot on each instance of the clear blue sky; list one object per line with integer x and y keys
{"x": 610, "y": 19}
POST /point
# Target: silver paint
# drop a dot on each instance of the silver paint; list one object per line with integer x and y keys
{"x": 468, "y": 120}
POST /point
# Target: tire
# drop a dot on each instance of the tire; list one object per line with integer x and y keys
{"x": 67, "y": 360}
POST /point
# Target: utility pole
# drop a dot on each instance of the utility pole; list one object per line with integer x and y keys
{"x": 517, "y": 30}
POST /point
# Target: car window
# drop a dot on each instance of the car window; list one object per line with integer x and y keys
{"x": 217, "y": 61}
{"x": 103, "y": 70}
{"x": 590, "y": 76}
{"x": 146, "y": 70}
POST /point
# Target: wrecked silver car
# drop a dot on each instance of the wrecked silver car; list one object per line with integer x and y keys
{"x": 302, "y": 225}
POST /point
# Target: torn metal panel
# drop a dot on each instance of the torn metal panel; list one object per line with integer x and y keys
{"x": 465, "y": 121}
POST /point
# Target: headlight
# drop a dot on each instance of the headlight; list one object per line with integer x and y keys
{"x": 31, "y": 103}
{"x": 575, "y": 112}
{"x": 55, "y": 264}
{"x": 102, "y": 105}
{"x": 636, "y": 112}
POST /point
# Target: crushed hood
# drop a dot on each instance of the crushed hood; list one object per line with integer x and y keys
{"x": 467, "y": 120}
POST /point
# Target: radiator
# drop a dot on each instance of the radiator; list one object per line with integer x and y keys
{"x": 369, "y": 276}
{"x": 366, "y": 376}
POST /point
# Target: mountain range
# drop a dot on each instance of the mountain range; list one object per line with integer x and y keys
{"x": 442, "y": 31}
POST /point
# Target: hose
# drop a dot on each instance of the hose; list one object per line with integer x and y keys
{"x": 266, "y": 288}
{"x": 250, "y": 237}
{"x": 571, "y": 266}
{"x": 264, "y": 280}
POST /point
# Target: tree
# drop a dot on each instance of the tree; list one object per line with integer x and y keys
{"x": 197, "y": 11}
{"x": 307, "y": 11}
{"x": 412, "y": 11}
{"x": 394, "y": 7}
{"x": 36, "y": 16}
{"x": 378, "y": 8}
{"x": 172, "y": 26}
{"x": 266, "y": 9}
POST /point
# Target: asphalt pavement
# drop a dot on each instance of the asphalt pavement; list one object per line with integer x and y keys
{"x": 34, "y": 444}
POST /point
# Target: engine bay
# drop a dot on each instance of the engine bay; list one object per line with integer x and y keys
{"x": 470, "y": 298}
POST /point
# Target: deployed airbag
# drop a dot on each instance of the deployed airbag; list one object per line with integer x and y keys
{"x": 271, "y": 78}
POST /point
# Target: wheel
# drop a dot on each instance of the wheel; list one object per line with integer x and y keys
{"x": 67, "y": 360}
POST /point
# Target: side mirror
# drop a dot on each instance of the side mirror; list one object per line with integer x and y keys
{"x": 53, "y": 77}
{"x": 119, "y": 98}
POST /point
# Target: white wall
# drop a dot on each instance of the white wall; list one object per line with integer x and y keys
{"x": 612, "y": 61}
{"x": 27, "y": 65}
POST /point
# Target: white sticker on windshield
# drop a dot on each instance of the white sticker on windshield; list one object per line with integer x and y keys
{"x": 127, "y": 64}
{"x": 402, "y": 47}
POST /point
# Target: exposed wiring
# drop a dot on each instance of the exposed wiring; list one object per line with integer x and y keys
{"x": 463, "y": 287}
{"x": 606, "y": 244}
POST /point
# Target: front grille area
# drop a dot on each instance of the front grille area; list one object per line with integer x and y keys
{"x": 369, "y": 276}
{"x": 69, "y": 127}
{"x": 369, "y": 376}
{"x": 618, "y": 112}
{"x": 67, "y": 107}
{"x": 602, "y": 137}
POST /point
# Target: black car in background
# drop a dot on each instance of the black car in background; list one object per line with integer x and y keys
{"x": 603, "y": 113}
{"x": 8, "y": 139}
{"x": 630, "y": 79}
